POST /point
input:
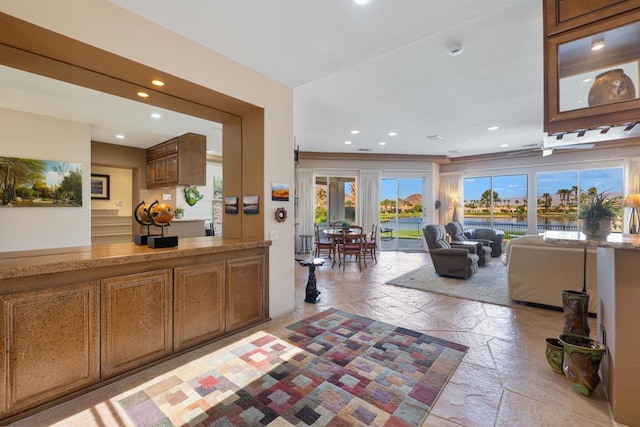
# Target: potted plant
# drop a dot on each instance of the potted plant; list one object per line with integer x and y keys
{"x": 596, "y": 213}
{"x": 179, "y": 212}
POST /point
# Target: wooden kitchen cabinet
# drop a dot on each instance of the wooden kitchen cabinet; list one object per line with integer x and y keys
{"x": 199, "y": 301}
{"x": 136, "y": 320}
{"x": 73, "y": 320}
{"x": 562, "y": 15}
{"x": 51, "y": 345}
{"x": 246, "y": 294}
{"x": 179, "y": 161}
{"x": 575, "y": 71}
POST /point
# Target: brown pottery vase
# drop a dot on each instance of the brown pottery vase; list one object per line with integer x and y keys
{"x": 611, "y": 86}
{"x": 575, "y": 305}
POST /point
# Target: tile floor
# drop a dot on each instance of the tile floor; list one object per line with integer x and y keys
{"x": 504, "y": 380}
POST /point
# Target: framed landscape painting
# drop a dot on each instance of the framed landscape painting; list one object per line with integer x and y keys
{"x": 40, "y": 183}
{"x": 100, "y": 186}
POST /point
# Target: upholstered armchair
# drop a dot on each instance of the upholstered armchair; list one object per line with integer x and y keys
{"x": 494, "y": 236}
{"x": 448, "y": 261}
{"x": 483, "y": 246}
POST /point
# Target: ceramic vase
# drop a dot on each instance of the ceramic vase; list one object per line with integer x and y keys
{"x": 575, "y": 305}
{"x": 555, "y": 354}
{"x": 611, "y": 86}
{"x": 581, "y": 362}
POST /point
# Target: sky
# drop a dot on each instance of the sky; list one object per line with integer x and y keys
{"x": 515, "y": 186}
{"x": 406, "y": 187}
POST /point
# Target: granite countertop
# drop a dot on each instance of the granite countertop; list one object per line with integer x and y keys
{"x": 577, "y": 238}
{"x": 47, "y": 261}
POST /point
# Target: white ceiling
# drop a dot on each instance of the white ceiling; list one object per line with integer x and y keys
{"x": 384, "y": 67}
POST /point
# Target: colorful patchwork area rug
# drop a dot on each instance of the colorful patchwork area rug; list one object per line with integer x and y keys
{"x": 334, "y": 368}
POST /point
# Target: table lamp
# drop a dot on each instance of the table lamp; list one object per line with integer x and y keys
{"x": 633, "y": 201}
{"x": 455, "y": 203}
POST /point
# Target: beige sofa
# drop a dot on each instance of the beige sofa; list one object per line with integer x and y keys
{"x": 538, "y": 272}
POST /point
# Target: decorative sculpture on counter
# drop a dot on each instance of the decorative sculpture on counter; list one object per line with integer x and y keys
{"x": 192, "y": 195}
{"x": 159, "y": 215}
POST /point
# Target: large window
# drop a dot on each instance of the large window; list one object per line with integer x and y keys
{"x": 335, "y": 200}
{"x": 559, "y": 193}
{"x": 497, "y": 202}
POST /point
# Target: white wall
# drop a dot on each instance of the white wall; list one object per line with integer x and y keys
{"x": 107, "y": 26}
{"x": 32, "y": 136}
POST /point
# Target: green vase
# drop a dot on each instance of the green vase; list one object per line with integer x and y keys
{"x": 555, "y": 354}
{"x": 575, "y": 305}
{"x": 581, "y": 363}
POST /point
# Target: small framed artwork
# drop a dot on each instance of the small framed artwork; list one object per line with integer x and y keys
{"x": 280, "y": 192}
{"x": 100, "y": 186}
{"x": 251, "y": 205}
{"x": 231, "y": 205}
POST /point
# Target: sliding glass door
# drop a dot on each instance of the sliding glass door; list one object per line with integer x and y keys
{"x": 401, "y": 218}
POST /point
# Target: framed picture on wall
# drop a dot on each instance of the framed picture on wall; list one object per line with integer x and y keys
{"x": 231, "y": 205}
{"x": 251, "y": 205}
{"x": 100, "y": 186}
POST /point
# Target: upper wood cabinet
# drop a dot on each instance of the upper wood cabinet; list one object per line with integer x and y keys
{"x": 179, "y": 161}
{"x": 592, "y": 64}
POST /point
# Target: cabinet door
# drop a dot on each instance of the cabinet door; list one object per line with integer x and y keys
{"x": 171, "y": 169}
{"x": 161, "y": 170}
{"x": 151, "y": 173}
{"x": 245, "y": 292}
{"x": 50, "y": 344}
{"x": 136, "y": 319}
{"x": 198, "y": 296}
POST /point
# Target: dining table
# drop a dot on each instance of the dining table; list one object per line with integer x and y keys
{"x": 334, "y": 234}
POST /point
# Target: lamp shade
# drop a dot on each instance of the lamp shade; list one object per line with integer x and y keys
{"x": 455, "y": 203}
{"x": 632, "y": 201}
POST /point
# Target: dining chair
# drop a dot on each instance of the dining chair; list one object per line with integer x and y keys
{"x": 323, "y": 245}
{"x": 371, "y": 244}
{"x": 351, "y": 244}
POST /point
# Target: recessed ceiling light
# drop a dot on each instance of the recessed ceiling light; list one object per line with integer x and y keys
{"x": 597, "y": 44}
{"x": 355, "y": 132}
{"x": 382, "y": 143}
{"x": 586, "y": 80}
{"x": 392, "y": 133}
{"x": 493, "y": 128}
{"x": 504, "y": 145}
{"x": 157, "y": 82}
{"x": 156, "y": 115}
{"x": 120, "y": 136}
{"x": 362, "y": 2}
{"x": 347, "y": 142}
{"x": 143, "y": 94}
